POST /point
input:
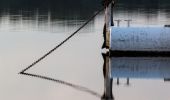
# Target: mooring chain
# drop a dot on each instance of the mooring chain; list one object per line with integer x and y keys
{"x": 52, "y": 50}
{"x": 81, "y": 88}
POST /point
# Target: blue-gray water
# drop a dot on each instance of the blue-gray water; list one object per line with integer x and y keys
{"x": 29, "y": 31}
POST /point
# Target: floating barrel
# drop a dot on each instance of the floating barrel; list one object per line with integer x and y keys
{"x": 142, "y": 39}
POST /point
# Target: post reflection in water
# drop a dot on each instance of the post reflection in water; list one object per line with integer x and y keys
{"x": 108, "y": 80}
{"x": 150, "y": 68}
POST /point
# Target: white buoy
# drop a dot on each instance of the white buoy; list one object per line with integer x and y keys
{"x": 140, "y": 39}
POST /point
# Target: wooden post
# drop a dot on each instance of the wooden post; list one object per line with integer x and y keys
{"x": 108, "y": 21}
{"x": 111, "y": 20}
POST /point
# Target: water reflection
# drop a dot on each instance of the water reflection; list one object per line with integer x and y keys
{"x": 117, "y": 68}
{"x": 37, "y": 20}
{"x": 149, "y": 68}
{"x": 108, "y": 81}
{"x": 31, "y": 16}
{"x": 77, "y": 87}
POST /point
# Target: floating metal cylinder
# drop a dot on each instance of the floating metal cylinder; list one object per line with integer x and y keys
{"x": 140, "y": 39}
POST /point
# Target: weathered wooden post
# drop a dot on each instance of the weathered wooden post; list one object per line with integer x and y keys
{"x": 108, "y": 4}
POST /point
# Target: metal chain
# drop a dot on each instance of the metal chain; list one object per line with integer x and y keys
{"x": 69, "y": 37}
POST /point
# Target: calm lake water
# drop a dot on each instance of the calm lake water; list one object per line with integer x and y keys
{"x": 77, "y": 66}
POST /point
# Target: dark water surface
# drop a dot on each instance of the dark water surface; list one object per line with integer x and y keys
{"x": 29, "y": 29}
